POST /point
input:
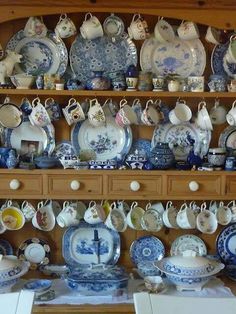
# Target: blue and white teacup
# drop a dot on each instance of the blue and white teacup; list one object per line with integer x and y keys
{"x": 73, "y": 112}
{"x": 53, "y": 109}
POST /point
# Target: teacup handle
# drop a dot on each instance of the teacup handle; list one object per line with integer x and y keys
{"x": 92, "y": 204}
{"x": 160, "y": 18}
{"x": 233, "y": 37}
{"x": 24, "y": 203}
{"x": 6, "y": 100}
{"x": 9, "y": 203}
{"x": 86, "y": 16}
{"x": 150, "y": 101}
{"x": 35, "y": 100}
{"x": 203, "y": 206}
{"x": 93, "y": 102}
{"x": 135, "y": 101}
{"x": 40, "y": 204}
{"x": 65, "y": 204}
{"x": 71, "y": 101}
{"x": 123, "y": 102}
{"x": 133, "y": 205}
{"x": 217, "y": 103}
{"x": 180, "y": 101}
{"x": 136, "y": 17}
{"x": 106, "y": 101}
{"x": 182, "y": 207}
{"x": 47, "y": 202}
{"x": 47, "y": 101}
{"x": 113, "y": 205}
{"x": 169, "y": 204}
{"x": 221, "y": 204}
{"x": 24, "y": 99}
{"x": 191, "y": 204}
{"x": 233, "y": 104}
{"x": 233, "y": 202}
{"x": 203, "y": 103}
{"x": 157, "y": 103}
{"x": 149, "y": 205}
{"x": 63, "y": 16}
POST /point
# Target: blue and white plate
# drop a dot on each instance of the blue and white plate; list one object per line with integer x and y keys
{"x": 101, "y": 54}
{"x": 219, "y": 65}
{"x": 143, "y": 146}
{"x": 226, "y": 244}
{"x": 46, "y": 55}
{"x": 183, "y": 57}
{"x": 64, "y": 148}
{"x": 44, "y": 137}
{"x": 227, "y": 138}
{"x": 106, "y": 141}
{"x": 5, "y": 247}
{"x": 177, "y": 137}
{"x": 146, "y": 248}
{"x": 79, "y": 248}
{"x": 188, "y": 242}
{"x": 38, "y": 285}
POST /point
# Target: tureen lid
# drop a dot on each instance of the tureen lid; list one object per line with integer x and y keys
{"x": 189, "y": 258}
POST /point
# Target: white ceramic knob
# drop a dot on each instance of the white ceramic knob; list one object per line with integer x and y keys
{"x": 193, "y": 186}
{"x": 14, "y": 184}
{"x": 75, "y": 185}
{"x": 134, "y": 186}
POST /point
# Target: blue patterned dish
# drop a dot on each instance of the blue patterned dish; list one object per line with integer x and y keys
{"x": 40, "y": 55}
{"x": 78, "y": 246}
{"x": 219, "y": 65}
{"x": 146, "y": 248}
{"x": 5, "y": 247}
{"x": 101, "y": 54}
{"x": 226, "y": 244}
{"x": 38, "y": 285}
{"x": 106, "y": 141}
{"x": 64, "y": 148}
{"x": 143, "y": 146}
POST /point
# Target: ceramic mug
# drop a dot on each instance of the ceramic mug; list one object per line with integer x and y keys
{"x": 163, "y": 31}
{"x": 12, "y": 217}
{"x": 73, "y": 112}
{"x": 116, "y": 219}
{"x": 39, "y": 115}
{"x": 181, "y": 113}
{"x": 218, "y": 113}
{"x": 152, "y": 219}
{"x": 44, "y": 218}
{"x": 138, "y": 28}
{"x": 169, "y": 216}
{"x": 35, "y": 28}
{"x": 65, "y": 27}
{"x": 91, "y": 27}
{"x": 185, "y": 217}
{"x": 94, "y": 213}
{"x": 196, "y": 83}
{"x": 126, "y": 114}
{"x": 188, "y": 30}
{"x": 53, "y": 109}
{"x": 134, "y": 216}
{"x": 203, "y": 119}
{"x": 206, "y": 221}
{"x": 231, "y": 115}
{"x": 150, "y": 115}
{"x": 223, "y": 214}
{"x": 96, "y": 115}
{"x": 28, "y": 210}
{"x": 69, "y": 216}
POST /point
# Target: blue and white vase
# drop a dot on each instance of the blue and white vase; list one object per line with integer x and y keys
{"x": 12, "y": 160}
{"x": 39, "y": 82}
{"x": 98, "y": 82}
{"x": 161, "y": 156}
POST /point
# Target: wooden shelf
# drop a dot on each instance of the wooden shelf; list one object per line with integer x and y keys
{"x": 111, "y": 93}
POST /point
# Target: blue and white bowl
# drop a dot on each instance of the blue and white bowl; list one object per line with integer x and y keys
{"x": 38, "y": 285}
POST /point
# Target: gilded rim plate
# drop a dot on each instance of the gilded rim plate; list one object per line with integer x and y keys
{"x": 188, "y": 242}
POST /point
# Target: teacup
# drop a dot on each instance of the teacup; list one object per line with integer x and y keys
{"x": 169, "y": 216}
{"x": 134, "y": 216}
{"x": 231, "y": 115}
{"x": 35, "y": 28}
{"x": 73, "y": 112}
{"x": 122, "y": 205}
{"x": 12, "y": 217}
{"x": 203, "y": 119}
{"x": 69, "y": 216}
{"x": 91, "y": 27}
{"x": 158, "y": 207}
{"x": 150, "y": 116}
{"x": 44, "y": 218}
{"x": 181, "y": 113}
{"x": 28, "y": 210}
{"x": 110, "y": 107}
{"x": 96, "y": 115}
{"x": 94, "y": 213}
{"x": 213, "y": 35}
{"x": 218, "y": 113}
{"x": 154, "y": 284}
{"x": 163, "y": 31}
{"x": 213, "y": 206}
{"x": 188, "y": 30}
{"x": 2, "y": 226}
{"x": 138, "y": 28}
{"x": 65, "y": 27}
{"x": 232, "y": 206}
{"x": 223, "y": 214}
{"x": 116, "y": 219}
{"x": 230, "y": 55}
{"x": 126, "y": 114}
{"x": 39, "y": 115}
{"x": 152, "y": 219}
{"x": 206, "y": 221}
{"x": 53, "y": 109}
{"x": 185, "y": 217}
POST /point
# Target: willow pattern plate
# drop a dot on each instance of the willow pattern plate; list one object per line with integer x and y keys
{"x": 40, "y": 55}
{"x": 177, "y": 137}
{"x": 101, "y": 54}
{"x": 188, "y": 242}
{"x": 183, "y": 57}
{"x": 219, "y": 65}
{"x": 227, "y": 138}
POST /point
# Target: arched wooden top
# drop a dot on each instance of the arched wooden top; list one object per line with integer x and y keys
{"x": 218, "y": 13}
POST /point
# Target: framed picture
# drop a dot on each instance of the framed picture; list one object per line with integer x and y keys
{"x": 29, "y": 148}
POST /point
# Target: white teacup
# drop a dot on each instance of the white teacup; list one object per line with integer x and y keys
{"x": 188, "y": 30}
{"x": 152, "y": 219}
{"x": 65, "y": 27}
{"x": 134, "y": 216}
{"x": 35, "y": 27}
{"x": 223, "y": 214}
{"x": 96, "y": 115}
{"x": 206, "y": 220}
{"x": 94, "y": 213}
{"x": 231, "y": 115}
{"x": 69, "y": 216}
{"x": 126, "y": 115}
{"x": 169, "y": 216}
{"x": 218, "y": 113}
{"x": 116, "y": 219}
{"x": 91, "y": 27}
{"x": 73, "y": 112}
{"x": 28, "y": 210}
{"x": 185, "y": 217}
{"x": 203, "y": 119}
{"x": 230, "y": 55}
{"x": 213, "y": 35}
{"x": 44, "y": 218}
{"x": 232, "y": 206}
{"x": 150, "y": 115}
{"x": 163, "y": 31}
{"x": 138, "y": 29}
{"x": 181, "y": 113}
{"x": 39, "y": 115}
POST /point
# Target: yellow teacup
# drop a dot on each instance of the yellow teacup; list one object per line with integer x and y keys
{"x": 13, "y": 218}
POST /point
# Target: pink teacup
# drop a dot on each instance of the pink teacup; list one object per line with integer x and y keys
{"x": 126, "y": 114}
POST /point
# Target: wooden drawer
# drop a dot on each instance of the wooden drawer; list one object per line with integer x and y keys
{"x": 21, "y": 185}
{"x": 231, "y": 186}
{"x": 204, "y": 186}
{"x": 123, "y": 186}
{"x": 75, "y": 186}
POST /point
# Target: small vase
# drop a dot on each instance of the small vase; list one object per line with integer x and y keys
{"x": 161, "y": 156}
{"x": 98, "y": 82}
{"x": 12, "y": 159}
{"x": 173, "y": 86}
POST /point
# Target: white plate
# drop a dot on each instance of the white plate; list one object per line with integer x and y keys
{"x": 183, "y": 57}
{"x": 188, "y": 242}
{"x": 177, "y": 137}
{"x": 106, "y": 141}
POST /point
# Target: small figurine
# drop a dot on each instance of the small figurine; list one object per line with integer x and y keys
{"x": 7, "y": 65}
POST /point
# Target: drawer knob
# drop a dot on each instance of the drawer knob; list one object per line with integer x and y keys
{"x": 134, "y": 186}
{"x": 75, "y": 185}
{"x": 193, "y": 186}
{"x": 14, "y": 184}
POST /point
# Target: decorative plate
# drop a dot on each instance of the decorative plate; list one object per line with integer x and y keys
{"x": 183, "y": 57}
{"x": 176, "y": 136}
{"x": 36, "y": 251}
{"x": 143, "y": 146}
{"x": 5, "y": 247}
{"x": 79, "y": 247}
{"x": 113, "y": 26}
{"x": 226, "y": 244}
{"x": 146, "y": 248}
{"x": 64, "y": 148}
{"x": 146, "y": 54}
{"x": 219, "y": 65}
{"x": 188, "y": 242}
{"x": 107, "y": 141}
{"x": 227, "y": 138}
{"x": 40, "y": 55}
{"x": 43, "y": 137}
{"x": 101, "y": 54}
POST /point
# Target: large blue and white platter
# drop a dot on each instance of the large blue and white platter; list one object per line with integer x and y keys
{"x": 101, "y": 54}
{"x": 226, "y": 244}
{"x": 219, "y": 65}
{"x": 79, "y": 249}
{"x": 146, "y": 249}
{"x": 46, "y": 55}
{"x": 106, "y": 141}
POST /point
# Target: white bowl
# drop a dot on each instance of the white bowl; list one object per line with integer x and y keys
{"x": 22, "y": 81}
